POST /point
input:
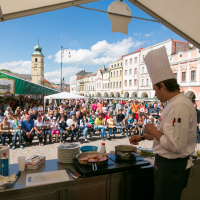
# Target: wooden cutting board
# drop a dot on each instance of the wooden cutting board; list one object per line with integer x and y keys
{"x": 44, "y": 178}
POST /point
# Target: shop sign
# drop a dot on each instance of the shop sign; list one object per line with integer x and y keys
{"x": 7, "y": 86}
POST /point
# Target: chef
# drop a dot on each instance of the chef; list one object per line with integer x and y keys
{"x": 174, "y": 137}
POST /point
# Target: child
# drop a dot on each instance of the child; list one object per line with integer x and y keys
{"x": 130, "y": 124}
{"x": 47, "y": 130}
{"x": 54, "y": 129}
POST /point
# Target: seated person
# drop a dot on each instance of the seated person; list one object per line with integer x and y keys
{"x": 5, "y": 131}
{"x": 54, "y": 129}
{"x": 28, "y": 130}
{"x": 99, "y": 125}
{"x": 111, "y": 126}
{"x": 74, "y": 128}
{"x": 17, "y": 125}
{"x": 84, "y": 126}
{"x": 63, "y": 130}
{"x": 140, "y": 123}
{"x": 130, "y": 124}
{"x": 120, "y": 117}
{"x": 39, "y": 129}
{"x": 47, "y": 131}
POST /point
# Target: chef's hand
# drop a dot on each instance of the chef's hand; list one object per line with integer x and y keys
{"x": 135, "y": 139}
{"x": 149, "y": 128}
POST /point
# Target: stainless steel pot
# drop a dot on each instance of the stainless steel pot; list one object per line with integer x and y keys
{"x": 93, "y": 164}
{"x": 125, "y": 152}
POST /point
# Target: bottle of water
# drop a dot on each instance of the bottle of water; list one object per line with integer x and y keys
{"x": 4, "y": 165}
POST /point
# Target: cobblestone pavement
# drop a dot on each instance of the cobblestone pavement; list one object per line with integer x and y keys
{"x": 50, "y": 150}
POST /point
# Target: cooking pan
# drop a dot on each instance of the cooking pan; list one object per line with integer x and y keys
{"x": 125, "y": 152}
{"x": 93, "y": 164}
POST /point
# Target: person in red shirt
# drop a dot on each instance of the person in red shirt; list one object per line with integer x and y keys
{"x": 107, "y": 116}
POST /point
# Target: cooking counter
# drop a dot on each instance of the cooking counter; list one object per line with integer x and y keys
{"x": 119, "y": 183}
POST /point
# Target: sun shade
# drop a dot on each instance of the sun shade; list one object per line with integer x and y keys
{"x": 12, "y": 9}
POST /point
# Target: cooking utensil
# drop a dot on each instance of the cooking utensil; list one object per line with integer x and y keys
{"x": 125, "y": 152}
{"x": 18, "y": 174}
{"x": 93, "y": 164}
{"x": 74, "y": 172}
{"x": 71, "y": 174}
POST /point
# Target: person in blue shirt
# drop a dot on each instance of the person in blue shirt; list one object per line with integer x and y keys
{"x": 28, "y": 129}
{"x": 130, "y": 124}
{"x": 63, "y": 130}
{"x": 155, "y": 111}
{"x": 73, "y": 112}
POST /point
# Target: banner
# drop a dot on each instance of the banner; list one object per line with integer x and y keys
{"x": 7, "y": 86}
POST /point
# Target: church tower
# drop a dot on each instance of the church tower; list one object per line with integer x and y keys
{"x": 37, "y": 68}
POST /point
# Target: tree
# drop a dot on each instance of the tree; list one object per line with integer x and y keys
{"x": 5, "y": 70}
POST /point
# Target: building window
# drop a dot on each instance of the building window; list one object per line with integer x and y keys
{"x": 147, "y": 81}
{"x": 35, "y": 66}
{"x": 126, "y": 62}
{"x": 131, "y": 61}
{"x": 175, "y": 75}
{"x": 117, "y": 64}
{"x": 99, "y": 85}
{"x": 193, "y": 75}
{"x": 121, "y": 64}
{"x": 111, "y": 74}
{"x": 117, "y": 84}
{"x": 135, "y": 60}
{"x": 135, "y": 71}
{"x": 125, "y": 83}
{"x": 142, "y": 82}
{"x": 120, "y": 84}
{"x": 135, "y": 82}
{"x": 93, "y": 88}
{"x": 113, "y": 84}
{"x": 114, "y": 74}
{"x": 35, "y": 59}
{"x": 130, "y": 83}
{"x": 142, "y": 70}
{"x": 130, "y": 71}
{"x": 114, "y": 65}
{"x": 111, "y": 66}
{"x": 120, "y": 72}
{"x": 117, "y": 73}
{"x": 143, "y": 57}
{"x": 183, "y": 76}
{"x": 125, "y": 72}
{"x": 108, "y": 85}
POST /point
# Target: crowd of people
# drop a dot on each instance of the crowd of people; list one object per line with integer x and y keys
{"x": 26, "y": 118}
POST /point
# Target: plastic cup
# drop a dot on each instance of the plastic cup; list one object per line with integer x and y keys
{"x": 21, "y": 163}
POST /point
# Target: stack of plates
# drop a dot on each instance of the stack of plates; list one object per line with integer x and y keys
{"x": 67, "y": 152}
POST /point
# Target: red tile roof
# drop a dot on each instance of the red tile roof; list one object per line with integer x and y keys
{"x": 180, "y": 41}
{"x": 132, "y": 52}
{"x": 46, "y": 81}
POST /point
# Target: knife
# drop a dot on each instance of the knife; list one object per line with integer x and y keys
{"x": 18, "y": 174}
{"x": 74, "y": 172}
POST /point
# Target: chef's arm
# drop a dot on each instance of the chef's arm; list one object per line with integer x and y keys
{"x": 148, "y": 137}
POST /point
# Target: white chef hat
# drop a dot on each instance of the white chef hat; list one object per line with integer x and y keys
{"x": 158, "y": 66}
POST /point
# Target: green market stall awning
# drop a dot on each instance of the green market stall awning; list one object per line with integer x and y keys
{"x": 13, "y": 85}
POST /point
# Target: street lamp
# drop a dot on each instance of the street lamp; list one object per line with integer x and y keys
{"x": 62, "y": 53}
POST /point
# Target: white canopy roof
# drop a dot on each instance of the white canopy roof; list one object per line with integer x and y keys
{"x": 64, "y": 95}
{"x": 12, "y": 9}
{"x": 181, "y": 16}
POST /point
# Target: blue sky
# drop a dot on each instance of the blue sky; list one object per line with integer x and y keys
{"x": 87, "y": 33}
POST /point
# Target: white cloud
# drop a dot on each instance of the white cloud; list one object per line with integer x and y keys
{"x": 55, "y": 76}
{"x": 21, "y": 67}
{"x": 49, "y": 57}
{"x": 101, "y": 52}
{"x": 149, "y": 34}
{"x": 61, "y": 36}
{"x": 163, "y": 28}
{"x": 135, "y": 34}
